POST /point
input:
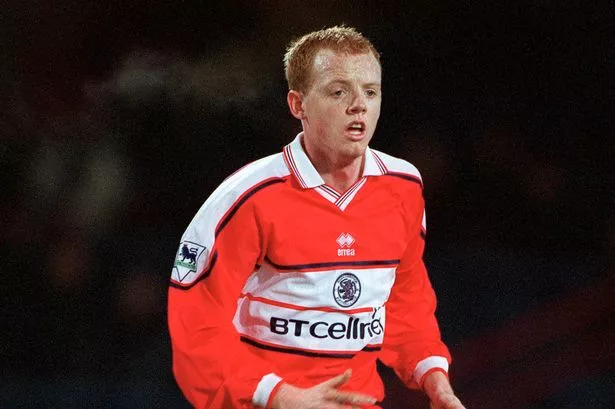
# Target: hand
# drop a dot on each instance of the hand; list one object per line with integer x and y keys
{"x": 322, "y": 396}
{"x": 440, "y": 393}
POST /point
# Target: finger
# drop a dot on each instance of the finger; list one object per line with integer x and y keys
{"x": 353, "y": 398}
{"x": 338, "y": 380}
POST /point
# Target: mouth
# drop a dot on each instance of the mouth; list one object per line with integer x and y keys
{"x": 356, "y": 130}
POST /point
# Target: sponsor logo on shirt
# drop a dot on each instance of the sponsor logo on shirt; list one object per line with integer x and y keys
{"x": 346, "y": 291}
{"x": 353, "y": 328}
{"x": 345, "y": 241}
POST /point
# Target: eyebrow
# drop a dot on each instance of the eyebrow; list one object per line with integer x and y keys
{"x": 344, "y": 82}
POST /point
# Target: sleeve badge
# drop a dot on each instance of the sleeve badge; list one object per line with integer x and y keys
{"x": 187, "y": 260}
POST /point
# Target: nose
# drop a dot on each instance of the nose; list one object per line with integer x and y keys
{"x": 357, "y": 105}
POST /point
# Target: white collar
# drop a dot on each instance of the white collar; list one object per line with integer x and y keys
{"x": 306, "y": 174}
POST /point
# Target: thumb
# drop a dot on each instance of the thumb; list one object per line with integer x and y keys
{"x": 339, "y": 380}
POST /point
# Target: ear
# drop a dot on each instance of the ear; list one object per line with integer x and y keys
{"x": 295, "y": 103}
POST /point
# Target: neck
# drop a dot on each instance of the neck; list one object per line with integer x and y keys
{"x": 337, "y": 171}
{"x": 342, "y": 178}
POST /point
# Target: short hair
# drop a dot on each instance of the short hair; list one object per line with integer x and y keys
{"x": 300, "y": 53}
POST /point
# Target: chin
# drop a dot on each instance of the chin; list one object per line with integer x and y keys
{"x": 355, "y": 150}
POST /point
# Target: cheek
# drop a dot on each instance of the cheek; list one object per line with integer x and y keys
{"x": 327, "y": 118}
{"x": 330, "y": 117}
{"x": 376, "y": 107}
{"x": 375, "y": 113}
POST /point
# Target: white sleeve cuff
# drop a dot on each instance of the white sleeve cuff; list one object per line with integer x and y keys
{"x": 264, "y": 388}
{"x": 427, "y": 364}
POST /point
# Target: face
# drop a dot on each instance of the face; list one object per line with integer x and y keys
{"x": 340, "y": 110}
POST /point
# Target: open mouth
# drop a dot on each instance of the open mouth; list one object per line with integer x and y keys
{"x": 356, "y": 129}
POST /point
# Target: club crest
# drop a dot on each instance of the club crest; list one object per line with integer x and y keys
{"x": 346, "y": 290}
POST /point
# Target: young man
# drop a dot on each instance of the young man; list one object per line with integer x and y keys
{"x": 305, "y": 267}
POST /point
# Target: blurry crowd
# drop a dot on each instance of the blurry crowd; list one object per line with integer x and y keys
{"x": 96, "y": 192}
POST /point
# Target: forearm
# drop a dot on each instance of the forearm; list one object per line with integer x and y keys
{"x": 437, "y": 386}
{"x": 435, "y": 383}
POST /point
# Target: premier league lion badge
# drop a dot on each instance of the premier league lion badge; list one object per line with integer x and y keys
{"x": 346, "y": 290}
{"x": 187, "y": 258}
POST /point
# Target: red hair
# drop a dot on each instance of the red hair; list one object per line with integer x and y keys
{"x": 300, "y": 53}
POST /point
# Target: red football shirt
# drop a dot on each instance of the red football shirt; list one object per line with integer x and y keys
{"x": 279, "y": 277}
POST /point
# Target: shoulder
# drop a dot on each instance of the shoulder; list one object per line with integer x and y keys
{"x": 196, "y": 250}
{"x": 399, "y": 168}
{"x": 240, "y": 186}
{"x": 253, "y": 175}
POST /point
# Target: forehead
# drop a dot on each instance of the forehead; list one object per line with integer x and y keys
{"x": 331, "y": 66}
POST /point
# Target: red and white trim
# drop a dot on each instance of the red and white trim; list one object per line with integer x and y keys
{"x": 292, "y": 165}
{"x": 322, "y": 353}
{"x": 328, "y": 193}
{"x": 331, "y": 191}
{"x": 300, "y": 165}
{"x": 428, "y": 365}
{"x": 308, "y": 177}
{"x": 380, "y": 163}
{"x": 265, "y": 390}
{"x": 263, "y": 300}
{"x": 269, "y": 283}
{"x": 347, "y": 197}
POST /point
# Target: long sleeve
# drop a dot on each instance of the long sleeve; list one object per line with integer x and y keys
{"x": 412, "y": 343}
{"x": 218, "y": 252}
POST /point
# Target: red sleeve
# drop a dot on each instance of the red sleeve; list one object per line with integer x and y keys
{"x": 412, "y": 343}
{"x": 212, "y": 367}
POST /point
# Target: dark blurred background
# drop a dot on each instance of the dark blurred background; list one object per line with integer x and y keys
{"x": 116, "y": 123}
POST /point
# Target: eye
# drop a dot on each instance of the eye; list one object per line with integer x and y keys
{"x": 371, "y": 93}
{"x": 338, "y": 93}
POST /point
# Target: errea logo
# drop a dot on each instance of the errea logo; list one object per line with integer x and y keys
{"x": 345, "y": 241}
